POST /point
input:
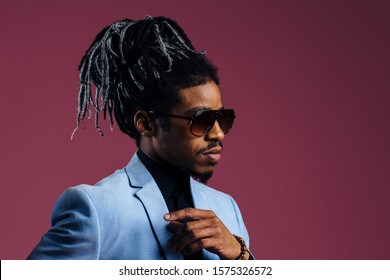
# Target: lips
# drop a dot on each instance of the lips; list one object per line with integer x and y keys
{"x": 213, "y": 155}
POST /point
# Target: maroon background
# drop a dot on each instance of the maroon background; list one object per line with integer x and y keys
{"x": 308, "y": 158}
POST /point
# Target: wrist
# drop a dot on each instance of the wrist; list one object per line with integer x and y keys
{"x": 244, "y": 254}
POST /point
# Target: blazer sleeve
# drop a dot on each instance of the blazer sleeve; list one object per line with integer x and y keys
{"x": 75, "y": 229}
{"x": 243, "y": 231}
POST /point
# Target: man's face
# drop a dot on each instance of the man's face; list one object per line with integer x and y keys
{"x": 196, "y": 155}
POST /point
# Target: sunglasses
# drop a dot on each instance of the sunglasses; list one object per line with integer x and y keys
{"x": 203, "y": 121}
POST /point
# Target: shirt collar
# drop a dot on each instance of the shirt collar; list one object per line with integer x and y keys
{"x": 167, "y": 178}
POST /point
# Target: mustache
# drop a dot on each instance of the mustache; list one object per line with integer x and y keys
{"x": 210, "y": 146}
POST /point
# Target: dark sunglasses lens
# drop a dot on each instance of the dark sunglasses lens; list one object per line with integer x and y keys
{"x": 226, "y": 120}
{"x": 202, "y": 122}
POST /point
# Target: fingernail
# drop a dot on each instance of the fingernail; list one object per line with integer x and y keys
{"x": 167, "y": 216}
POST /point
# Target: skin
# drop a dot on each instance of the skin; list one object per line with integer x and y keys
{"x": 179, "y": 148}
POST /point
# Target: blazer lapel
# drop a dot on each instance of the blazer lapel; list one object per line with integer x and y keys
{"x": 199, "y": 197}
{"x": 153, "y": 201}
{"x": 201, "y": 202}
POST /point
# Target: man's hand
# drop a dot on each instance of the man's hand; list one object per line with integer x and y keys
{"x": 203, "y": 230}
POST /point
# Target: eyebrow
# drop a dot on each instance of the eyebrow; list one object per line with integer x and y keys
{"x": 201, "y": 108}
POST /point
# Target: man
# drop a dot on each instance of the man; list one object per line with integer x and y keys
{"x": 165, "y": 95}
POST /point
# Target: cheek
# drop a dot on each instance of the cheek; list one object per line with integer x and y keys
{"x": 185, "y": 146}
{"x": 185, "y": 141}
{"x": 196, "y": 146}
{"x": 188, "y": 150}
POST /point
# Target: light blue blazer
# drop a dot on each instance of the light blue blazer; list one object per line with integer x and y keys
{"x": 122, "y": 218}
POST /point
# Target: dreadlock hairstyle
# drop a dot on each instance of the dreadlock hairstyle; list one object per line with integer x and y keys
{"x": 138, "y": 65}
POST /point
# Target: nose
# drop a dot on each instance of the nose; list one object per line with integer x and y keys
{"x": 215, "y": 133}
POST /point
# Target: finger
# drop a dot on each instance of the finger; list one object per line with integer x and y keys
{"x": 197, "y": 246}
{"x": 196, "y": 236}
{"x": 191, "y": 213}
{"x": 174, "y": 226}
{"x": 186, "y": 229}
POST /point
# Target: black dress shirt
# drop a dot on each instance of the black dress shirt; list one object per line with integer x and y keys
{"x": 174, "y": 185}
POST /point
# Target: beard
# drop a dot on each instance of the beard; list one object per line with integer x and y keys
{"x": 203, "y": 177}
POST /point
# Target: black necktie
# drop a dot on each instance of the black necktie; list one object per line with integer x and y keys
{"x": 181, "y": 202}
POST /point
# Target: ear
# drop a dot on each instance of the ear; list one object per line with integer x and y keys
{"x": 144, "y": 124}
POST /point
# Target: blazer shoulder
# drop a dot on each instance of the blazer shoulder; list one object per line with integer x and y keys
{"x": 112, "y": 194}
{"x": 116, "y": 182}
{"x": 211, "y": 192}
